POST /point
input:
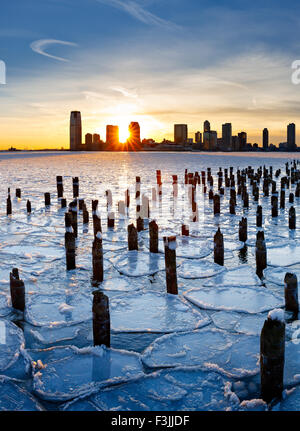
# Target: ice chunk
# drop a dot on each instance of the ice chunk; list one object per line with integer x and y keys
{"x": 5, "y": 309}
{"x": 82, "y": 371}
{"x": 189, "y": 248}
{"x": 14, "y": 398}
{"x": 58, "y": 309}
{"x": 256, "y": 405}
{"x": 276, "y": 275}
{"x": 242, "y": 299}
{"x": 139, "y": 263}
{"x": 249, "y": 324}
{"x": 226, "y": 320}
{"x": 199, "y": 269}
{"x": 235, "y": 355}
{"x": 11, "y": 342}
{"x": 242, "y": 275}
{"x": 284, "y": 256}
{"x": 292, "y": 363}
{"x": 50, "y": 334}
{"x": 290, "y": 402}
{"x": 123, "y": 284}
{"x": 168, "y": 390}
{"x": 154, "y": 312}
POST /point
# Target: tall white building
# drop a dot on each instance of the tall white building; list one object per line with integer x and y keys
{"x": 75, "y": 131}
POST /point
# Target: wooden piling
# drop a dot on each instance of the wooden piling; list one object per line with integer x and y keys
{"x": 8, "y": 206}
{"x": 101, "y": 319}
{"x": 17, "y": 290}
{"x": 153, "y": 234}
{"x": 291, "y": 293}
{"x": 243, "y": 227}
{"x": 75, "y": 187}
{"x": 59, "y": 186}
{"x": 70, "y": 243}
{"x": 63, "y": 203}
{"x": 132, "y": 237}
{"x": 18, "y": 193}
{"x": 47, "y": 199}
{"x": 97, "y": 253}
{"x": 28, "y": 206}
{"x": 217, "y": 209}
{"x": 170, "y": 264}
{"x": 96, "y": 218}
{"x": 259, "y": 216}
{"x": 219, "y": 248}
{"x": 185, "y": 230}
{"x": 260, "y": 253}
{"x": 292, "y": 218}
{"x": 272, "y": 350}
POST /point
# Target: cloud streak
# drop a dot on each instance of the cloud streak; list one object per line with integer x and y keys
{"x": 40, "y": 46}
{"x": 140, "y": 13}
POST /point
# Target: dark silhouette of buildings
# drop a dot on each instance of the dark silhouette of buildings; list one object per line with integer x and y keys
{"x": 180, "y": 133}
{"x": 206, "y": 126}
{"x": 198, "y": 138}
{"x": 227, "y": 136}
{"x": 291, "y": 137}
{"x": 112, "y": 137}
{"x": 265, "y": 139}
{"x": 75, "y": 131}
{"x": 134, "y": 140}
{"x": 242, "y": 141}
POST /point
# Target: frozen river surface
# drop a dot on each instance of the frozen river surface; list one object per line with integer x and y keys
{"x": 195, "y": 351}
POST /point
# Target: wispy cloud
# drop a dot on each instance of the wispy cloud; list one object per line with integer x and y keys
{"x": 125, "y": 92}
{"x": 140, "y": 13}
{"x": 40, "y": 46}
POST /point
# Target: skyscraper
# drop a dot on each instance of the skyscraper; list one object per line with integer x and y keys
{"x": 206, "y": 126}
{"x": 242, "y": 141}
{"x": 227, "y": 136}
{"x": 265, "y": 139}
{"x": 210, "y": 140}
{"x": 198, "y": 137}
{"x": 88, "y": 139}
{"x": 134, "y": 139}
{"x": 180, "y": 133}
{"x": 75, "y": 131}
{"x": 112, "y": 136}
{"x": 291, "y": 137}
{"x": 96, "y": 138}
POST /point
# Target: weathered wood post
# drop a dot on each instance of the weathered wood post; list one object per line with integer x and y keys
{"x": 17, "y": 290}
{"x": 28, "y": 206}
{"x": 291, "y": 293}
{"x": 75, "y": 187}
{"x": 47, "y": 199}
{"x": 217, "y": 209}
{"x": 80, "y": 204}
{"x": 96, "y": 218}
{"x": 219, "y": 248}
{"x": 272, "y": 349}
{"x": 127, "y": 198}
{"x": 261, "y": 253}
{"x": 170, "y": 262}
{"x": 153, "y": 232}
{"x": 18, "y": 193}
{"x": 282, "y": 198}
{"x": 8, "y": 205}
{"x": 185, "y": 230}
{"x": 291, "y": 198}
{"x": 259, "y": 216}
{"x": 59, "y": 186}
{"x": 243, "y": 227}
{"x": 111, "y": 220}
{"x": 97, "y": 258}
{"x": 101, "y": 319}
{"x": 85, "y": 215}
{"x": 70, "y": 243}
{"x": 292, "y": 218}
{"x": 63, "y": 202}
{"x": 132, "y": 238}
{"x": 232, "y": 206}
{"x": 73, "y": 212}
{"x": 274, "y": 205}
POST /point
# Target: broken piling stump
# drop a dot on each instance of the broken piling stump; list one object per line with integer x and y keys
{"x": 170, "y": 263}
{"x": 219, "y": 248}
{"x": 97, "y": 258}
{"x": 17, "y": 290}
{"x": 101, "y": 319}
{"x": 132, "y": 237}
{"x": 291, "y": 293}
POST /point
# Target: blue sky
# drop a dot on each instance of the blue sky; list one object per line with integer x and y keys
{"x": 157, "y": 61}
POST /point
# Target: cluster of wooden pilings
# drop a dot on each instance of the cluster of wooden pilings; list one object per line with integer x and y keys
{"x": 259, "y": 182}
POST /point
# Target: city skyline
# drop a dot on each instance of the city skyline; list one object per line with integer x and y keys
{"x": 148, "y": 62}
{"x": 207, "y": 140}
